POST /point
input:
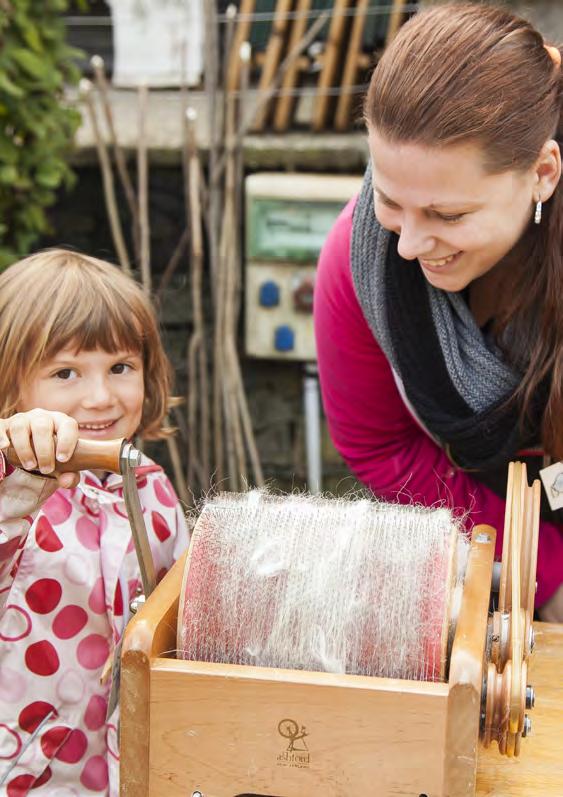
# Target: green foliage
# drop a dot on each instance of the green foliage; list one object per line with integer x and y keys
{"x": 36, "y": 125}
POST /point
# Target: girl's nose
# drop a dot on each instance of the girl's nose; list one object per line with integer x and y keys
{"x": 414, "y": 241}
{"x": 97, "y": 393}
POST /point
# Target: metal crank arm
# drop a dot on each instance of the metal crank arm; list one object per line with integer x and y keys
{"x": 129, "y": 459}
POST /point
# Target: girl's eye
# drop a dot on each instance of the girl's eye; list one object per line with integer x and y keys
{"x": 120, "y": 368}
{"x": 65, "y": 374}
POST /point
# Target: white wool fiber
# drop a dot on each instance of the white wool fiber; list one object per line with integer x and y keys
{"x": 315, "y": 583}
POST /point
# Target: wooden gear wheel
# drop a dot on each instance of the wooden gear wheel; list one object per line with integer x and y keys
{"x": 507, "y": 695}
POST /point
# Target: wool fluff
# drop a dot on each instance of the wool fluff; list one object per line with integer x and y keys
{"x": 326, "y": 584}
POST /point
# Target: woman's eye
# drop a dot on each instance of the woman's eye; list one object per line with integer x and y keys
{"x": 452, "y": 218}
{"x": 64, "y": 374}
{"x": 120, "y": 368}
{"x": 387, "y": 202}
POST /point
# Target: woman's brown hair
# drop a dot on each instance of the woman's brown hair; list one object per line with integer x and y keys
{"x": 466, "y": 72}
{"x": 58, "y": 298}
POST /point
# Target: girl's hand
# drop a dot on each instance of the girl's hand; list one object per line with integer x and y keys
{"x": 552, "y": 611}
{"x": 42, "y": 440}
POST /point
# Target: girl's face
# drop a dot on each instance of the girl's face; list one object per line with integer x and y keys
{"x": 103, "y": 392}
{"x": 451, "y": 216}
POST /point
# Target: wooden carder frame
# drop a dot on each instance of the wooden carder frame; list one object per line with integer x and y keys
{"x": 219, "y": 730}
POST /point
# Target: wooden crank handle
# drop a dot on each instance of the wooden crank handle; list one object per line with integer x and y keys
{"x": 88, "y": 455}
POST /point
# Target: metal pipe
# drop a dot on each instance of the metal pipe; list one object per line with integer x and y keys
{"x": 312, "y": 407}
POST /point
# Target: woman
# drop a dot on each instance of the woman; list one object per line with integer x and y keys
{"x": 438, "y": 308}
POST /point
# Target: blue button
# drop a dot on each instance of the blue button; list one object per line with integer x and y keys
{"x": 269, "y": 294}
{"x": 284, "y": 338}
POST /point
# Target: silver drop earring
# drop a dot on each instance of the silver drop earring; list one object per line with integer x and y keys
{"x": 537, "y": 215}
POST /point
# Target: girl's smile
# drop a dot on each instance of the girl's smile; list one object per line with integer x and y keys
{"x": 103, "y": 391}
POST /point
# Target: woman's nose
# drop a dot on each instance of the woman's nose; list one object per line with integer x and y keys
{"x": 414, "y": 241}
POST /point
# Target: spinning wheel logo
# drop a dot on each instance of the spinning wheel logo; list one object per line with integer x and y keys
{"x": 296, "y": 753}
{"x": 557, "y": 485}
{"x": 552, "y": 478}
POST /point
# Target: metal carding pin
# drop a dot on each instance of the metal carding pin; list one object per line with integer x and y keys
{"x": 527, "y": 729}
{"x": 197, "y": 794}
{"x": 530, "y": 697}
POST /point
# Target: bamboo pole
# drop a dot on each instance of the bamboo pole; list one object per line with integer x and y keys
{"x": 176, "y": 460}
{"x": 107, "y": 178}
{"x": 286, "y": 103}
{"x": 143, "y": 188}
{"x": 241, "y": 35}
{"x": 264, "y": 97}
{"x": 98, "y": 67}
{"x": 231, "y": 284}
{"x": 215, "y": 131}
{"x": 198, "y": 383}
{"x": 395, "y": 19}
{"x": 173, "y": 263}
{"x": 272, "y": 57}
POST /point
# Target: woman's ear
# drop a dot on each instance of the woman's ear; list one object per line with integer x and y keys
{"x": 547, "y": 171}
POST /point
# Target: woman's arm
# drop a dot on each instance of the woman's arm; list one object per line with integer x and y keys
{"x": 372, "y": 428}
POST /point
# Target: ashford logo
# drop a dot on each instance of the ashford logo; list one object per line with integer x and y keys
{"x": 296, "y": 753}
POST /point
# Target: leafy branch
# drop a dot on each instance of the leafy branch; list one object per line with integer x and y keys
{"x": 36, "y": 125}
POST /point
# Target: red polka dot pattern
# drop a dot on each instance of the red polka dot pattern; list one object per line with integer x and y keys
{"x": 97, "y": 599}
{"x": 160, "y": 526}
{"x": 112, "y": 741}
{"x": 43, "y": 778}
{"x": 118, "y": 602}
{"x": 34, "y": 714}
{"x": 95, "y": 714}
{"x": 53, "y": 739}
{"x": 16, "y": 624}
{"x": 95, "y": 774}
{"x": 58, "y": 508}
{"x": 69, "y": 622}
{"x": 10, "y": 742}
{"x": 78, "y": 567}
{"x": 164, "y": 494}
{"x": 74, "y": 748}
{"x": 44, "y": 595}
{"x": 8, "y": 549}
{"x": 19, "y": 787}
{"x": 88, "y": 533}
{"x": 93, "y": 652}
{"x": 41, "y": 658}
{"x": 45, "y": 535}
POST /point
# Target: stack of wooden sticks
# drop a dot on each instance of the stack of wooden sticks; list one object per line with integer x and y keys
{"x": 324, "y": 49}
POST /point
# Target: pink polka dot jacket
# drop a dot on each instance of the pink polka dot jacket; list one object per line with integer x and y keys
{"x": 68, "y": 571}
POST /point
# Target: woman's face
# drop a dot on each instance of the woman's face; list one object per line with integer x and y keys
{"x": 450, "y": 215}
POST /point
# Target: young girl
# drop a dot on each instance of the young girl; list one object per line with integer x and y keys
{"x": 438, "y": 308}
{"x": 80, "y": 357}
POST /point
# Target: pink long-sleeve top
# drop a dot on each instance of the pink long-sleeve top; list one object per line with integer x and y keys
{"x": 372, "y": 427}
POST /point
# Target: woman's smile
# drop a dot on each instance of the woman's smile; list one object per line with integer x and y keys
{"x": 438, "y": 264}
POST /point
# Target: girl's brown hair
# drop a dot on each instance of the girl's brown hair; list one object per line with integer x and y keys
{"x": 466, "y": 72}
{"x": 58, "y": 298}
